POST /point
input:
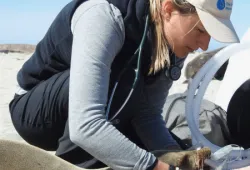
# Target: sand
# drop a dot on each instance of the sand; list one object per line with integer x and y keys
{"x": 9, "y": 66}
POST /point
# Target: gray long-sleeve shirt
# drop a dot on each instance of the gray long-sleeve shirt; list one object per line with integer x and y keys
{"x": 98, "y": 36}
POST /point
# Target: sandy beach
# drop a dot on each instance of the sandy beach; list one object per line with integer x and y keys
{"x": 9, "y": 66}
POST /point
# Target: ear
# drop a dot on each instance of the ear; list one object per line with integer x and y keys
{"x": 167, "y": 8}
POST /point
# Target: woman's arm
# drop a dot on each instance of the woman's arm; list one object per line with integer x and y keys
{"x": 98, "y": 35}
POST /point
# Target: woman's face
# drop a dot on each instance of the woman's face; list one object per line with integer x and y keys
{"x": 184, "y": 32}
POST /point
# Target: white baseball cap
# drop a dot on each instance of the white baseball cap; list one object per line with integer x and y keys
{"x": 215, "y": 17}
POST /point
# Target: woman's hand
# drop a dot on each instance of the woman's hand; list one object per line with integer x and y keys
{"x": 161, "y": 166}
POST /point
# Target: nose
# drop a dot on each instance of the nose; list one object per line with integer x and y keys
{"x": 203, "y": 41}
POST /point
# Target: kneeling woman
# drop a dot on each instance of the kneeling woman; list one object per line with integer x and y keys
{"x": 65, "y": 87}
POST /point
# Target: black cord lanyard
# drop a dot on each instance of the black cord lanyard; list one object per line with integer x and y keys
{"x": 137, "y": 53}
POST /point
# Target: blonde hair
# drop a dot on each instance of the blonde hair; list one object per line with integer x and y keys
{"x": 161, "y": 56}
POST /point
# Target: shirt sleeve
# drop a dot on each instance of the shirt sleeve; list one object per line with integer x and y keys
{"x": 98, "y": 35}
{"x": 149, "y": 123}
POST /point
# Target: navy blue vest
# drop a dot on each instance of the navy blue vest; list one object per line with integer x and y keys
{"x": 53, "y": 52}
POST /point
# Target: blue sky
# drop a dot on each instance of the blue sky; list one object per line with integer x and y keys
{"x": 27, "y": 21}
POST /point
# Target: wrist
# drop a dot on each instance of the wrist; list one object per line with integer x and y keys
{"x": 153, "y": 166}
{"x": 162, "y": 166}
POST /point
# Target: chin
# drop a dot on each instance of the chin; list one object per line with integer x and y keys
{"x": 181, "y": 52}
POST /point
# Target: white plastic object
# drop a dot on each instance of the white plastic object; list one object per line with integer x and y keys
{"x": 223, "y": 152}
{"x": 195, "y": 95}
{"x": 233, "y": 77}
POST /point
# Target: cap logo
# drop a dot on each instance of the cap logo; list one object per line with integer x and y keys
{"x": 221, "y": 4}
